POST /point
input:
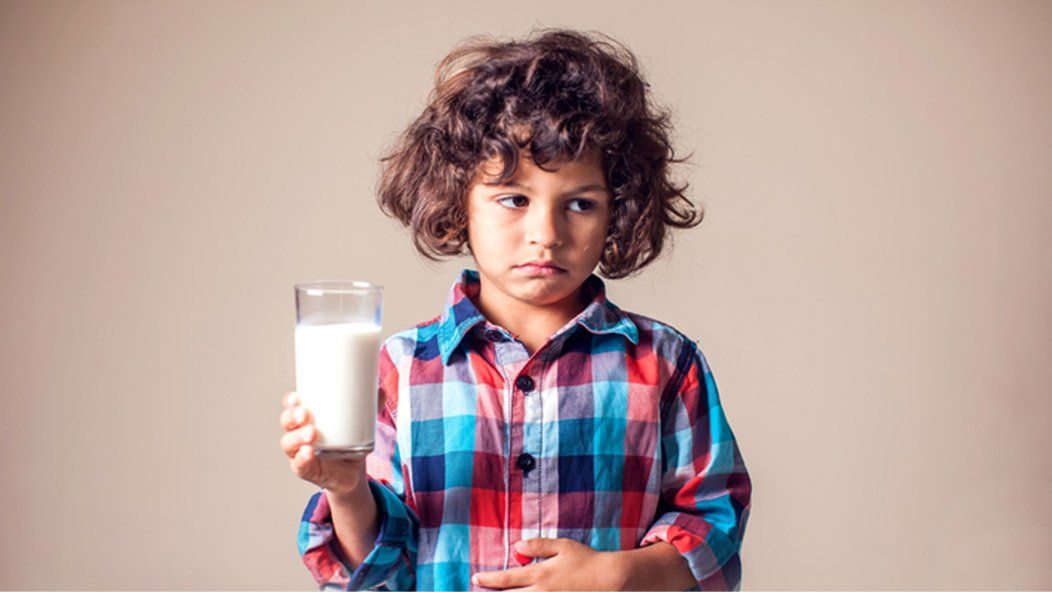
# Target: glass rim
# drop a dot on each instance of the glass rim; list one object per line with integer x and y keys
{"x": 322, "y": 287}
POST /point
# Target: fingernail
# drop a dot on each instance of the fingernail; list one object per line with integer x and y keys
{"x": 307, "y": 433}
{"x": 298, "y": 414}
{"x": 475, "y": 579}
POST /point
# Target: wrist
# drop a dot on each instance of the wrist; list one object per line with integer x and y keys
{"x": 619, "y": 569}
{"x": 356, "y": 521}
{"x": 351, "y": 495}
{"x": 658, "y": 566}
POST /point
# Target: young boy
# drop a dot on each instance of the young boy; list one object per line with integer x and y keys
{"x": 534, "y": 435}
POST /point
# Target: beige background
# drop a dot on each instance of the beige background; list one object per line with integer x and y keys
{"x": 871, "y": 284}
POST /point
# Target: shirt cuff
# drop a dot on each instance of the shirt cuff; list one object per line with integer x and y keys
{"x": 389, "y": 559}
{"x": 712, "y": 557}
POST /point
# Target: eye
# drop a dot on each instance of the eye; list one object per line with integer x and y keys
{"x": 502, "y": 199}
{"x": 587, "y": 204}
{"x": 584, "y": 205}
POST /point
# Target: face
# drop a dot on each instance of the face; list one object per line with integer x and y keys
{"x": 558, "y": 218}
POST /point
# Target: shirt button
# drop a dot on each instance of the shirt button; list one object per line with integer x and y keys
{"x": 526, "y": 462}
{"x": 525, "y": 383}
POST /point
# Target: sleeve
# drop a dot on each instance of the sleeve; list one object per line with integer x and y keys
{"x": 391, "y": 565}
{"x": 705, "y": 487}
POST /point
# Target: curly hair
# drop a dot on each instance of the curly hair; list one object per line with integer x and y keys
{"x": 558, "y": 93}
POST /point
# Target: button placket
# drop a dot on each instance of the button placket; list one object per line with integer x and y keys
{"x": 526, "y": 462}
{"x": 524, "y": 417}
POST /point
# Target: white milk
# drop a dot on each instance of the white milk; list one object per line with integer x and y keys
{"x": 336, "y": 380}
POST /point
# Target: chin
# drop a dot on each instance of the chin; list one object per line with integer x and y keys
{"x": 543, "y": 290}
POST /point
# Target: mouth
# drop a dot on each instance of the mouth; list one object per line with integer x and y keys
{"x": 540, "y": 268}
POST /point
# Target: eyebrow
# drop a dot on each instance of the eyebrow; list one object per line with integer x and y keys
{"x": 581, "y": 189}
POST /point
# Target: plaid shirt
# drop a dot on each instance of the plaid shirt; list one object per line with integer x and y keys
{"x": 611, "y": 434}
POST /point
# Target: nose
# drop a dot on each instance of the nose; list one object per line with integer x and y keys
{"x": 544, "y": 228}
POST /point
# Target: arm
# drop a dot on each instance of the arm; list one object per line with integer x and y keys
{"x": 334, "y": 541}
{"x": 706, "y": 490}
{"x": 658, "y": 566}
{"x": 355, "y": 522}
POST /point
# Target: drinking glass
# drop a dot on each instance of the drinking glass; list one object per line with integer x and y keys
{"x": 337, "y": 351}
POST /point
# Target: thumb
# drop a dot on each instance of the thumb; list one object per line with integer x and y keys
{"x": 537, "y": 547}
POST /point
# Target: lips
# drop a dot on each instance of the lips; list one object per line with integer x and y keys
{"x": 540, "y": 269}
{"x": 542, "y": 265}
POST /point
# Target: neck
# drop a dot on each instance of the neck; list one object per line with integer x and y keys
{"x": 531, "y": 324}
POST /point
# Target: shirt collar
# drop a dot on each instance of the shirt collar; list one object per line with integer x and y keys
{"x": 460, "y": 314}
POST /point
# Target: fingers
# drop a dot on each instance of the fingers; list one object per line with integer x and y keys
{"x": 289, "y": 399}
{"x": 509, "y": 578}
{"x": 302, "y": 461}
{"x": 294, "y": 417}
{"x": 297, "y": 422}
{"x": 292, "y": 441}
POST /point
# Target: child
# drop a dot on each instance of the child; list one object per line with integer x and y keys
{"x": 534, "y": 434}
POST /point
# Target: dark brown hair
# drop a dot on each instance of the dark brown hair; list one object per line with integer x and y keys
{"x": 555, "y": 96}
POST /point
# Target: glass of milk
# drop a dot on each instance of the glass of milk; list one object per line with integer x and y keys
{"x": 337, "y": 352}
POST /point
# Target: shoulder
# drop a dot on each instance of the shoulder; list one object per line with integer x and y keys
{"x": 399, "y": 357}
{"x": 668, "y": 344}
{"x": 661, "y": 336}
{"x": 688, "y": 382}
{"x": 417, "y": 342}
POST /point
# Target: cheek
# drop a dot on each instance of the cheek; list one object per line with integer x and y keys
{"x": 593, "y": 240}
{"x": 490, "y": 241}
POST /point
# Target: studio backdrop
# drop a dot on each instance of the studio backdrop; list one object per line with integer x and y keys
{"x": 870, "y": 283}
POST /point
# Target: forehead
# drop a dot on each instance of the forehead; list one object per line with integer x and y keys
{"x": 588, "y": 167}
